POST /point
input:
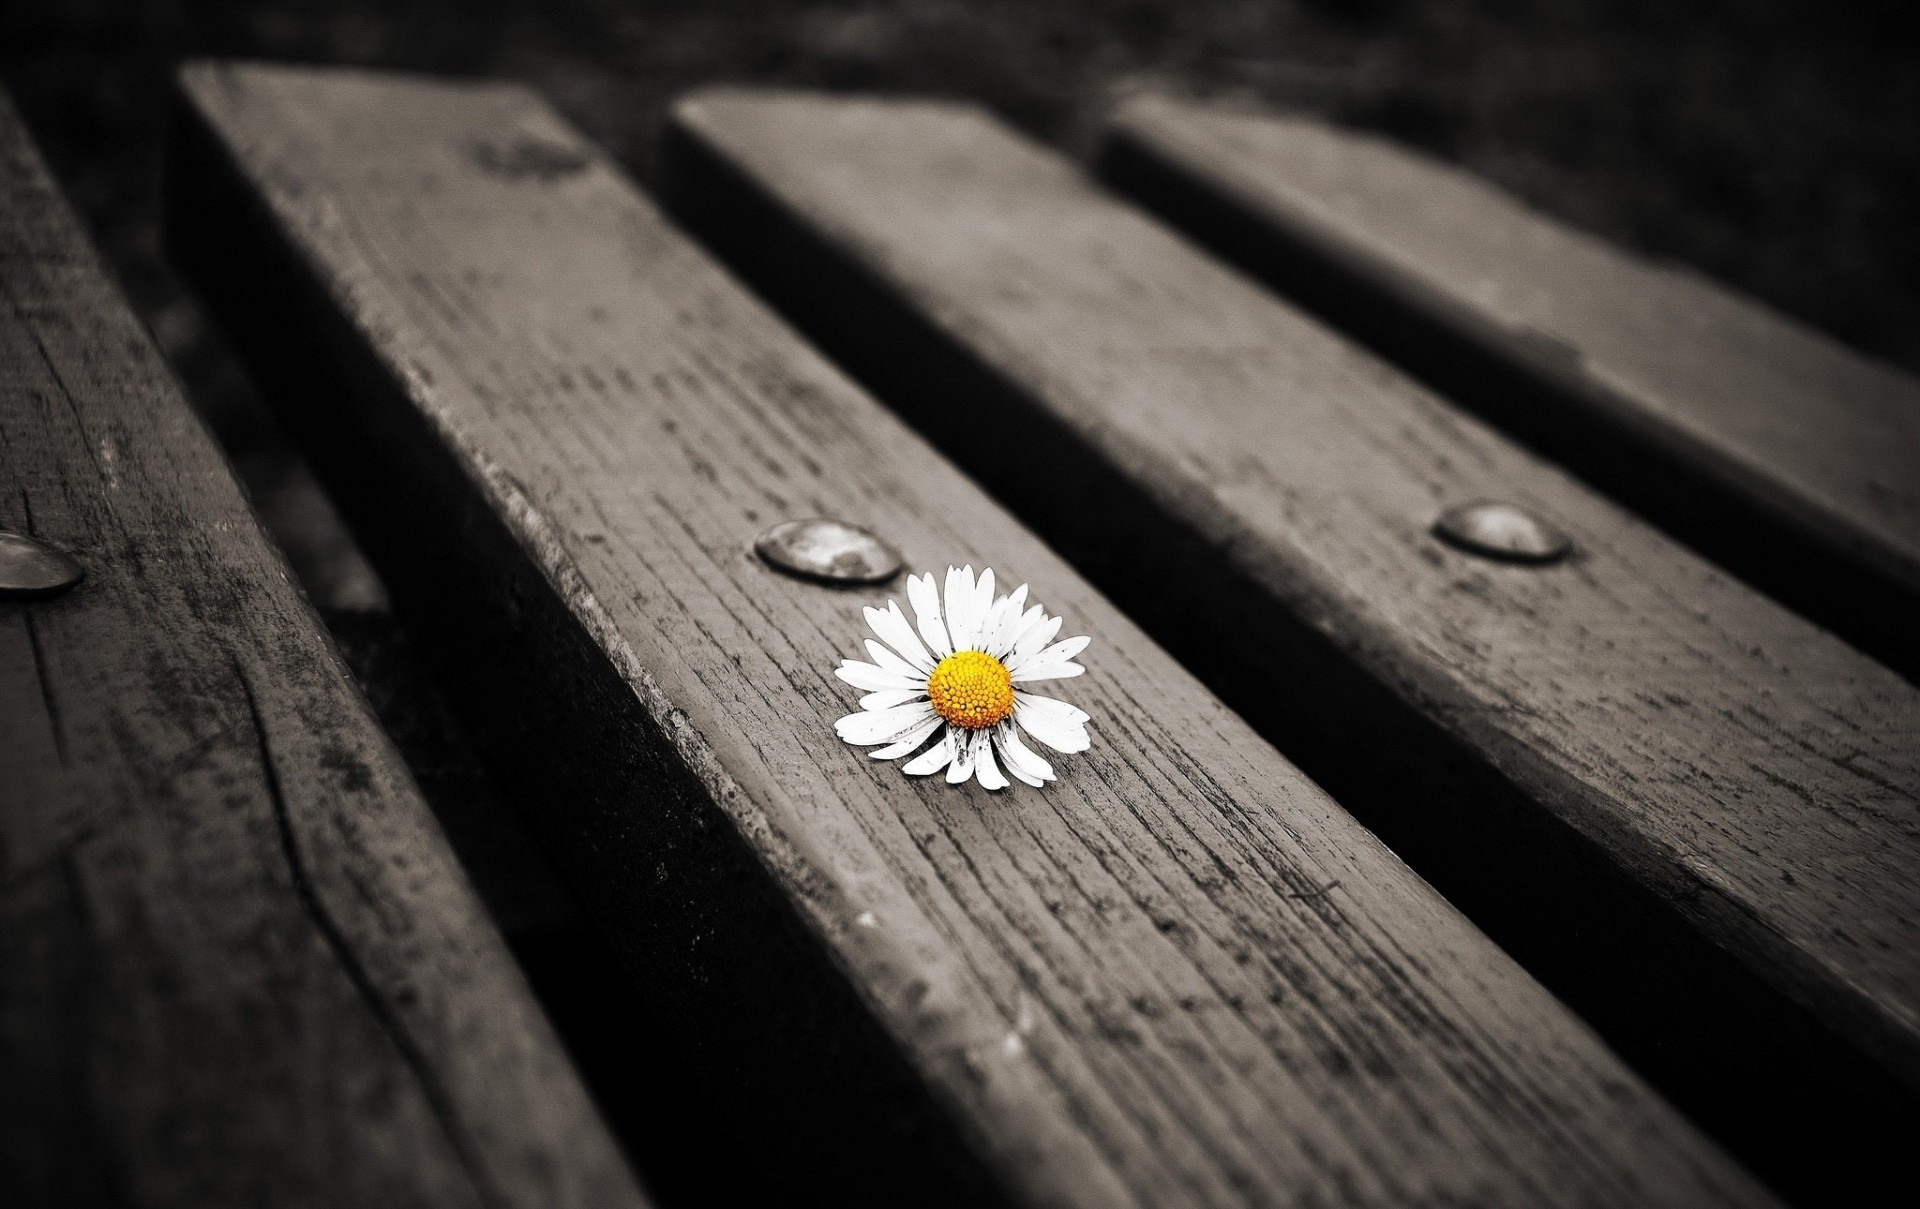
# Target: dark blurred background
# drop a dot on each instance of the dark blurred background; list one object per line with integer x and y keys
{"x": 1770, "y": 143}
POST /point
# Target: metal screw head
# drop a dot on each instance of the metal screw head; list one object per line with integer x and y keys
{"x": 1502, "y": 531}
{"x": 829, "y": 551}
{"x": 32, "y": 570}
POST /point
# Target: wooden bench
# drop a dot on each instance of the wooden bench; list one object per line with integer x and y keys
{"x": 1688, "y": 808}
{"x": 238, "y": 963}
{"x": 1180, "y": 975}
{"x": 1789, "y": 459}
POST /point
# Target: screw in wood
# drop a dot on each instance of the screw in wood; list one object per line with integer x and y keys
{"x": 33, "y": 570}
{"x": 1502, "y": 531}
{"x": 828, "y": 551}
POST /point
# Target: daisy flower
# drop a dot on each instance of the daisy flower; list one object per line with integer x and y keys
{"x": 963, "y": 680}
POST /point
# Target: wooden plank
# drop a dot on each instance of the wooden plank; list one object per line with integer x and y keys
{"x": 1225, "y": 466}
{"x": 1179, "y": 975}
{"x": 238, "y": 963}
{"x": 1786, "y": 457}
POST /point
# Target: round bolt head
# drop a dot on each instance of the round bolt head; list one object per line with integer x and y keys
{"x": 829, "y": 551}
{"x": 1504, "y": 532}
{"x": 33, "y": 570}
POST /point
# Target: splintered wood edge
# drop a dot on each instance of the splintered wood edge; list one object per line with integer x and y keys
{"x": 931, "y": 949}
{"x": 241, "y": 959}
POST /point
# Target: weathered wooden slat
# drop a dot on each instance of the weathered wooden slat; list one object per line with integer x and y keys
{"x": 1261, "y": 491}
{"x": 1784, "y": 456}
{"x": 238, "y": 963}
{"x": 1180, "y": 975}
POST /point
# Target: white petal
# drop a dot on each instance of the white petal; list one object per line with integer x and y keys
{"x": 1048, "y": 705}
{"x": 1035, "y": 637}
{"x": 875, "y": 679}
{"x": 984, "y": 769}
{"x": 1055, "y": 723}
{"x": 910, "y": 740}
{"x": 891, "y": 624}
{"x": 925, "y": 599}
{"x": 1068, "y": 737}
{"x": 883, "y": 656}
{"x": 1026, "y": 778}
{"x": 962, "y": 626}
{"x": 933, "y": 759}
{"x": 1021, "y": 624}
{"x": 1059, "y": 652}
{"x": 962, "y": 767}
{"x": 887, "y": 698}
{"x": 1006, "y": 624}
{"x": 1019, "y": 758}
{"x": 990, "y": 623}
{"x": 871, "y": 726}
{"x": 1051, "y": 671}
{"x": 982, "y": 606}
{"x": 996, "y": 636}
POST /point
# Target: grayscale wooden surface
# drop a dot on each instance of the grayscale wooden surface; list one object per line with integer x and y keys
{"x": 238, "y": 963}
{"x": 1755, "y": 774}
{"x": 1181, "y": 975}
{"x": 1775, "y": 448}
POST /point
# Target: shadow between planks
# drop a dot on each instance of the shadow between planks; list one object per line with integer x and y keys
{"x": 1794, "y": 1096}
{"x": 954, "y": 1048}
{"x": 656, "y": 1105}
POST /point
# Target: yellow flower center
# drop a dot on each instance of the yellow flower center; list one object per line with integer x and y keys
{"x": 971, "y": 689}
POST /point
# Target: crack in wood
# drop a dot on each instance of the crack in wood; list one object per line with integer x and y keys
{"x": 56, "y": 725}
{"x": 439, "y": 1102}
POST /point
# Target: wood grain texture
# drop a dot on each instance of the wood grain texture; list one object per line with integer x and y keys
{"x": 1182, "y": 975}
{"x": 1790, "y": 459}
{"x": 238, "y": 964}
{"x": 1758, "y": 775}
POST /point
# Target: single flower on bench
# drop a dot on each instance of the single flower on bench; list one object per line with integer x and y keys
{"x": 961, "y": 682}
